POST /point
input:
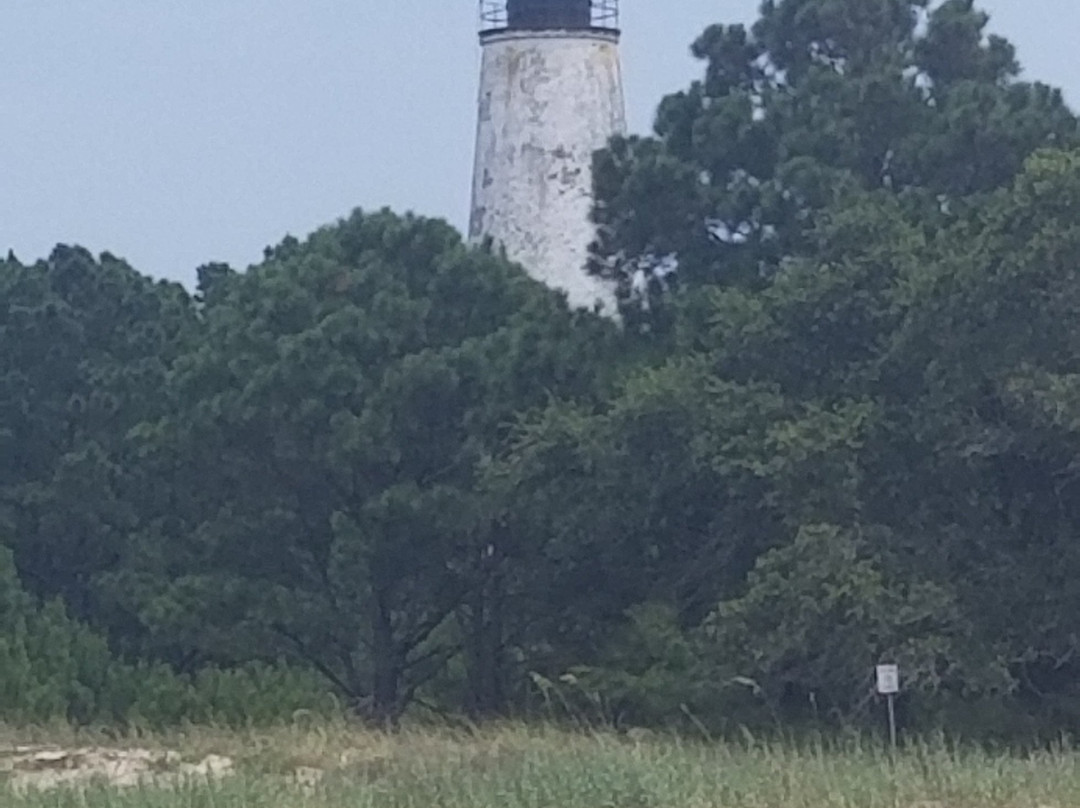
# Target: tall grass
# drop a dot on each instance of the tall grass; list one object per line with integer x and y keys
{"x": 518, "y": 767}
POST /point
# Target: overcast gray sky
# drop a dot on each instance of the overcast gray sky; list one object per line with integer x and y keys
{"x": 177, "y": 133}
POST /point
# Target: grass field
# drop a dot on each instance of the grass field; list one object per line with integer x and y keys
{"x": 544, "y": 768}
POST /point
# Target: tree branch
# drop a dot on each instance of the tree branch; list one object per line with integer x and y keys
{"x": 318, "y": 664}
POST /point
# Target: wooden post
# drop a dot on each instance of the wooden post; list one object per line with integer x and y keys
{"x": 888, "y": 685}
{"x": 892, "y": 721}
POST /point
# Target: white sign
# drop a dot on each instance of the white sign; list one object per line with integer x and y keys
{"x": 888, "y": 680}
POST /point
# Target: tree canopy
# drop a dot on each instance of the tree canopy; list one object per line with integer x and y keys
{"x": 818, "y": 99}
{"x": 838, "y": 426}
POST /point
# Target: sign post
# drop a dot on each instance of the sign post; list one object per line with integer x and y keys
{"x": 888, "y": 685}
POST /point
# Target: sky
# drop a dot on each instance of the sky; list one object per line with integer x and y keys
{"x": 178, "y": 133}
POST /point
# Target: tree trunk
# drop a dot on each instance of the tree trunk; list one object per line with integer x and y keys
{"x": 386, "y": 707}
{"x": 485, "y": 658}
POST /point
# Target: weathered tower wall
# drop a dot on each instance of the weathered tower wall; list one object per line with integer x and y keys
{"x": 548, "y": 101}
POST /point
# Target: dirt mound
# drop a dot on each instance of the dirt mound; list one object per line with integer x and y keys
{"x": 45, "y": 768}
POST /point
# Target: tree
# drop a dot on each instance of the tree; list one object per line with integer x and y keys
{"x": 988, "y": 348}
{"x": 963, "y": 338}
{"x": 818, "y": 614}
{"x": 322, "y": 448}
{"x": 87, "y": 344}
{"x": 821, "y": 98}
{"x": 848, "y": 463}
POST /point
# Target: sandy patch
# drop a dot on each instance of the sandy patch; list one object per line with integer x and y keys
{"x": 46, "y": 768}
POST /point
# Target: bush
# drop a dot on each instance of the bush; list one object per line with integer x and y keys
{"x": 55, "y": 668}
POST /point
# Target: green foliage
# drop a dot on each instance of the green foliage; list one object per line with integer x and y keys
{"x": 388, "y": 464}
{"x": 820, "y": 613}
{"x": 326, "y": 429}
{"x": 54, "y": 668}
{"x": 654, "y": 673}
{"x": 820, "y": 99}
{"x": 87, "y": 345}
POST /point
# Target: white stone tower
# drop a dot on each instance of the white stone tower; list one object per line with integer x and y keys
{"x": 550, "y": 96}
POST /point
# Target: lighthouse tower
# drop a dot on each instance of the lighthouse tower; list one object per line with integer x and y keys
{"x": 550, "y": 96}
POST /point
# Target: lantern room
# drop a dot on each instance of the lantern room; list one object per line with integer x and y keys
{"x": 549, "y": 15}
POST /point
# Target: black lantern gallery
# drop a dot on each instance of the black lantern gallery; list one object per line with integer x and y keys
{"x": 549, "y": 15}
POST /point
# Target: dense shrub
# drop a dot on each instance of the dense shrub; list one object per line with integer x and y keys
{"x": 55, "y": 668}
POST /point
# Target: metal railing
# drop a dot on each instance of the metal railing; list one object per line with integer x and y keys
{"x": 495, "y": 14}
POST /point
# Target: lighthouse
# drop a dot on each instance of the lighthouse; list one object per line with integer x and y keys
{"x": 551, "y": 95}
